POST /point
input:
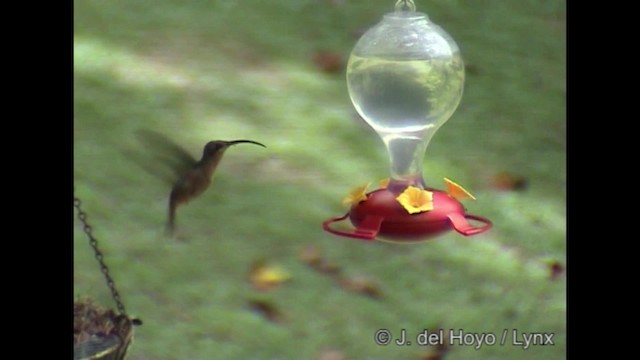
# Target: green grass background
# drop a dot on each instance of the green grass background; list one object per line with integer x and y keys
{"x": 205, "y": 70}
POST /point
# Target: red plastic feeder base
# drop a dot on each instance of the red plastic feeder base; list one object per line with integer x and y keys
{"x": 381, "y": 215}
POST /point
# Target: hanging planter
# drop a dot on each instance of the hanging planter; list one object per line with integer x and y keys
{"x": 99, "y": 333}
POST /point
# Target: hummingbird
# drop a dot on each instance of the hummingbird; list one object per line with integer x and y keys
{"x": 193, "y": 176}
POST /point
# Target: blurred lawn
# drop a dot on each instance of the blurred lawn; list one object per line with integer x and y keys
{"x": 205, "y": 70}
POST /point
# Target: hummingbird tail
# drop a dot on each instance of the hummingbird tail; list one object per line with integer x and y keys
{"x": 171, "y": 219}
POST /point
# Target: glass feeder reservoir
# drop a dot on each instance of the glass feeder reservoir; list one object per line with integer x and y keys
{"x": 405, "y": 77}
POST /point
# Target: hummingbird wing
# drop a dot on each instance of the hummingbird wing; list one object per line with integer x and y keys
{"x": 161, "y": 156}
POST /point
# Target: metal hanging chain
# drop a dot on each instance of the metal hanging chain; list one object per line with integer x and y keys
{"x": 103, "y": 267}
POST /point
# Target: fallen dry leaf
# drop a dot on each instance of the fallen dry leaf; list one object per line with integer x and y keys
{"x": 331, "y": 355}
{"x": 267, "y": 310}
{"x": 362, "y": 285}
{"x": 471, "y": 69}
{"x": 310, "y": 255}
{"x": 330, "y": 268}
{"x": 328, "y": 61}
{"x": 431, "y": 356}
{"x": 555, "y": 270}
{"x": 264, "y": 276}
{"x": 509, "y": 182}
{"x": 438, "y": 351}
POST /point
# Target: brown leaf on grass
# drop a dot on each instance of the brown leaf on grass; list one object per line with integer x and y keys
{"x": 438, "y": 350}
{"x": 471, "y": 69}
{"x": 431, "y": 356}
{"x": 331, "y": 355}
{"x": 328, "y": 61}
{"x": 310, "y": 255}
{"x": 330, "y": 268}
{"x": 555, "y": 270}
{"x": 264, "y": 276}
{"x": 361, "y": 285}
{"x": 509, "y": 182}
{"x": 267, "y": 310}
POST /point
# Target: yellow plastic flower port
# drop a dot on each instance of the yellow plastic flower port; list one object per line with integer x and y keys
{"x": 456, "y": 191}
{"x": 356, "y": 195}
{"x": 416, "y": 200}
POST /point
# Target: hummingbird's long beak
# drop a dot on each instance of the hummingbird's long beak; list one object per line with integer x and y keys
{"x": 229, "y": 143}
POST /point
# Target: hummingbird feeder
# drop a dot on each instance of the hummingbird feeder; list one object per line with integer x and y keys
{"x": 405, "y": 77}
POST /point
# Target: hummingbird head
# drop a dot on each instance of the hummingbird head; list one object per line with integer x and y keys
{"x": 219, "y": 146}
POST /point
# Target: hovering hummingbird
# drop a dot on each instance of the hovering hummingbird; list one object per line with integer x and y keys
{"x": 193, "y": 176}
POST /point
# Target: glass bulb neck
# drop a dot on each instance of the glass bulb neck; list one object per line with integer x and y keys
{"x": 406, "y": 155}
{"x": 405, "y": 5}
